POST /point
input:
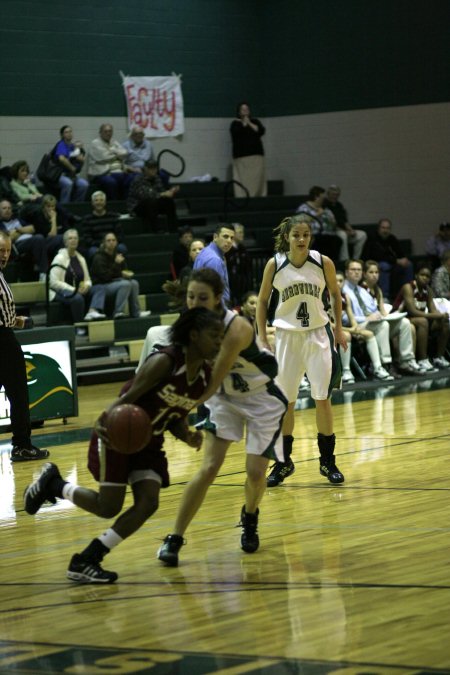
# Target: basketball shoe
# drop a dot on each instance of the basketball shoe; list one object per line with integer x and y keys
{"x": 88, "y": 571}
{"x": 329, "y": 469}
{"x": 280, "y": 471}
{"x": 249, "y": 537}
{"x": 38, "y": 491}
{"x": 168, "y": 551}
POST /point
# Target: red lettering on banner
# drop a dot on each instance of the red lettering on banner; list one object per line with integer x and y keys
{"x": 151, "y": 108}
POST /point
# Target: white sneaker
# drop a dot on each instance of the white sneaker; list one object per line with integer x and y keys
{"x": 94, "y": 314}
{"x": 426, "y": 367}
{"x": 414, "y": 365}
{"x": 441, "y": 362}
{"x": 382, "y": 374}
{"x": 347, "y": 377}
{"x": 144, "y": 314}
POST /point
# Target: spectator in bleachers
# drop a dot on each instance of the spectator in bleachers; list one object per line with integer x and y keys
{"x": 180, "y": 254}
{"x": 70, "y": 283}
{"x": 417, "y": 299}
{"x": 213, "y": 256}
{"x": 109, "y": 267}
{"x": 24, "y": 239}
{"x": 139, "y": 150}
{"x": 239, "y": 266}
{"x": 323, "y": 226}
{"x": 196, "y": 246}
{"x": 249, "y": 167}
{"x": 22, "y": 185}
{"x": 71, "y": 156}
{"x": 401, "y": 331}
{"x": 386, "y": 250}
{"x": 96, "y": 224}
{"x": 6, "y": 191}
{"x": 439, "y": 242}
{"x": 441, "y": 278}
{"x": 356, "y": 238}
{"x": 148, "y": 197}
{"x": 44, "y": 217}
{"x": 106, "y": 167}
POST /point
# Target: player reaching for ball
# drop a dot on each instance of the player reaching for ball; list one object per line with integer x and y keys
{"x": 167, "y": 386}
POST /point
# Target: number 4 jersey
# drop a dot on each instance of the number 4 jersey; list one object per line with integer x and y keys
{"x": 299, "y": 294}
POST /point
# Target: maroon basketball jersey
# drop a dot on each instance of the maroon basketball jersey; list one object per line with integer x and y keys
{"x": 175, "y": 397}
{"x": 420, "y": 298}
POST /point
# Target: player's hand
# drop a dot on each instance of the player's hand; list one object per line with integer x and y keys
{"x": 340, "y": 338}
{"x": 100, "y": 428}
{"x": 194, "y": 439}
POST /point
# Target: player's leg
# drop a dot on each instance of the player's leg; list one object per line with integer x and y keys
{"x": 193, "y": 496}
{"x": 255, "y": 485}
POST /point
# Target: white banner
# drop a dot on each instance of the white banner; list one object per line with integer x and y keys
{"x": 155, "y": 104}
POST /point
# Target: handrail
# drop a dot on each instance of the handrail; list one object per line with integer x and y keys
{"x": 47, "y": 289}
{"x": 175, "y": 154}
{"x": 227, "y": 200}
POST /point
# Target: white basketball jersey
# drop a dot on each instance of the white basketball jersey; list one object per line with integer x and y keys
{"x": 298, "y": 297}
{"x": 254, "y": 367}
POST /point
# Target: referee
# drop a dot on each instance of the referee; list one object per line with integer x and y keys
{"x": 13, "y": 375}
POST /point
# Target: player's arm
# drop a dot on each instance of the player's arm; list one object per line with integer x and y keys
{"x": 410, "y": 305}
{"x": 238, "y": 337}
{"x": 180, "y": 429}
{"x": 152, "y": 372}
{"x": 262, "y": 304}
{"x": 336, "y": 300}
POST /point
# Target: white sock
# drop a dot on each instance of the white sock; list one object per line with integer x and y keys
{"x": 110, "y": 539}
{"x": 68, "y": 491}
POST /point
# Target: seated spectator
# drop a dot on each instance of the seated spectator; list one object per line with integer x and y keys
{"x": 239, "y": 265}
{"x": 439, "y": 242}
{"x": 180, "y": 254}
{"x": 109, "y": 268}
{"x": 357, "y": 333}
{"x": 6, "y": 191}
{"x": 386, "y": 250}
{"x": 24, "y": 239}
{"x": 401, "y": 331}
{"x": 441, "y": 278}
{"x": 71, "y": 284}
{"x": 106, "y": 164}
{"x": 25, "y": 190}
{"x": 139, "y": 150}
{"x": 417, "y": 299}
{"x": 97, "y": 223}
{"x": 149, "y": 198}
{"x": 71, "y": 156}
{"x": 44, "y": 217}
{"x": 197, "y": 245}
{"x": 356, "y": 238}
{"x": 367, "y": 315}
{"x": 323, "y": 226}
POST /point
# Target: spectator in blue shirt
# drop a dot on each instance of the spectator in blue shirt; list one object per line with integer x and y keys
{"x": 213, "y": 256}
{"x": 139, "y": 150}
{"x": 71, "y": 156}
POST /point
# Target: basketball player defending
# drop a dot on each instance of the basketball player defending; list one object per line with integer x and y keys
{"x": 167, "y": 386}
{"x": 295, "y": 281}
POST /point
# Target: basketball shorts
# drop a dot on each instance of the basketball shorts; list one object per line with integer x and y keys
{"x": 115, "y": 468}
{"x": 312, "y": 352}
{"x": 259, "y": 414}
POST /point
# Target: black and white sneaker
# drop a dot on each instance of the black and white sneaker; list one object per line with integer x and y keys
{"x": 280, "y": 471}
{"x": 87, "y": 571}
{"x": 28, "y": 453}
{"x": 249, "y": 537}
{"x": 168, "y": 551}
{"x": 38, "y": 491}
{"x": 330, "y": 471}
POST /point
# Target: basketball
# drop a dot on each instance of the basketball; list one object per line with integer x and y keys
{"x": 129, "y": 428}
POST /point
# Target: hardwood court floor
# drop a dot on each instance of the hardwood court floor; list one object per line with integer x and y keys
{"x": 348, "y": 579}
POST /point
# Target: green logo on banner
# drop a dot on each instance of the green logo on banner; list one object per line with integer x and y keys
{"x": 49, "y": 391}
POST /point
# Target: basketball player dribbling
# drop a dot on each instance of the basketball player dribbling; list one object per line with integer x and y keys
{"x": 295, "y": 282}
{"x": 167, "y": 386}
